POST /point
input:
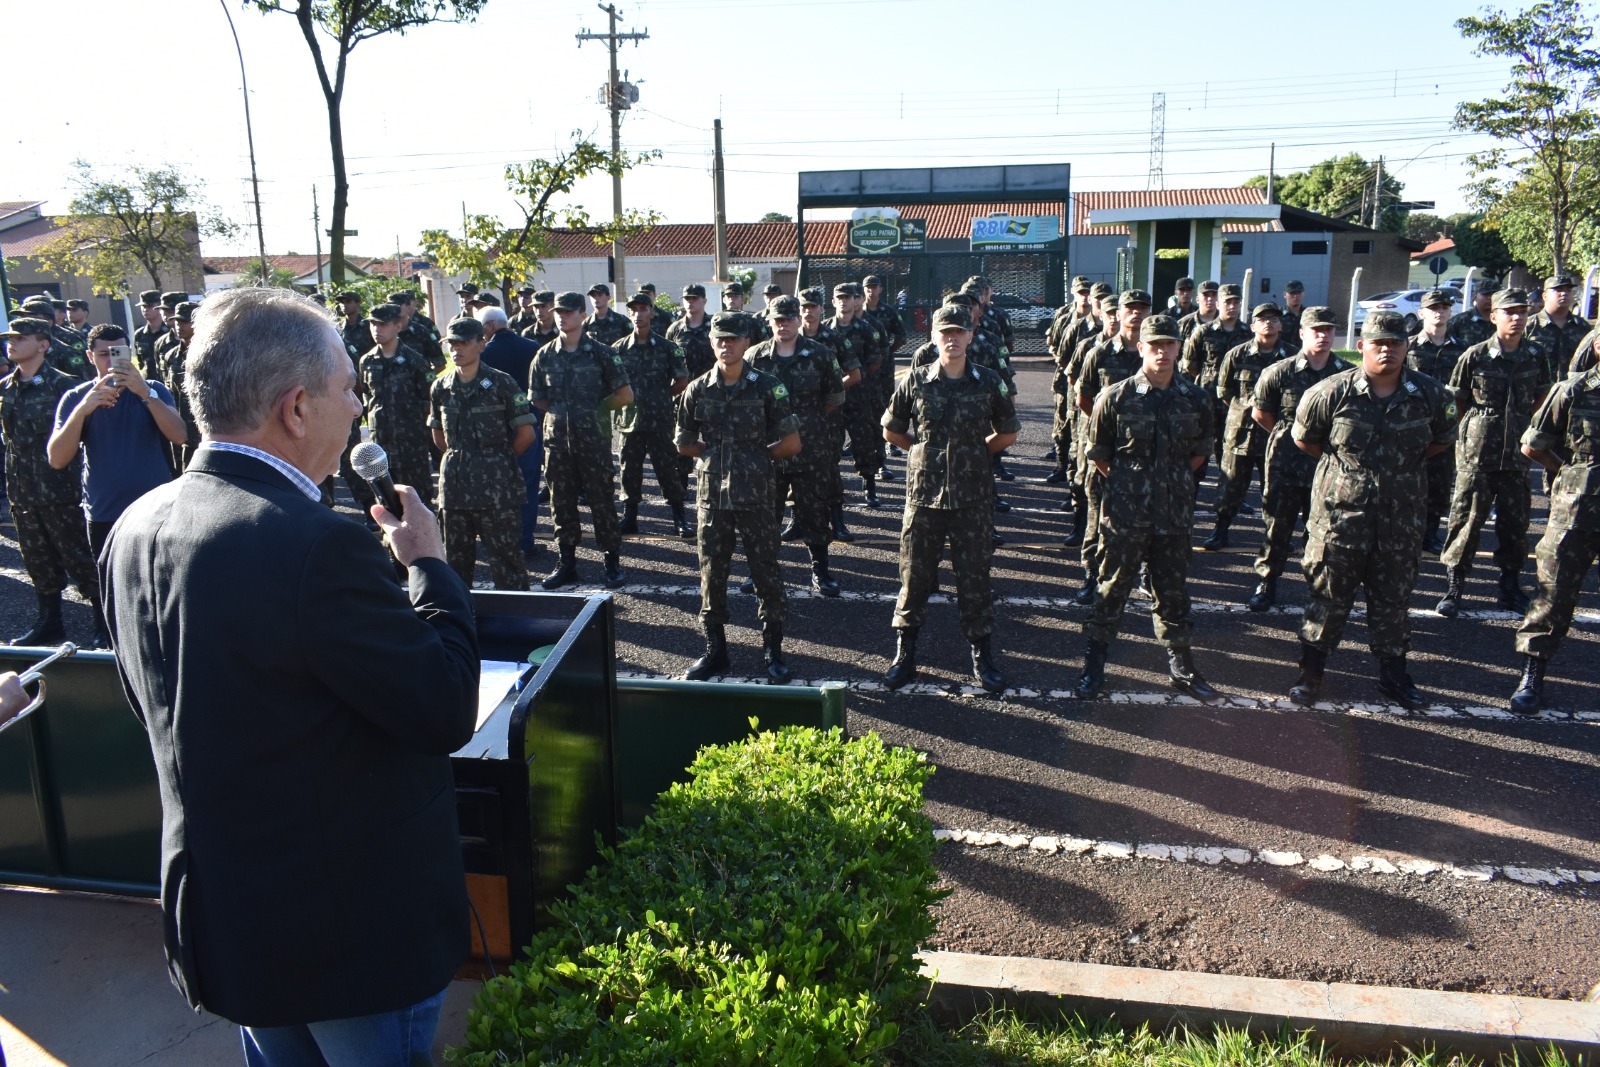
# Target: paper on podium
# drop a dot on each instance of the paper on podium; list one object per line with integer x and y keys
{"x": 495, "y": 680}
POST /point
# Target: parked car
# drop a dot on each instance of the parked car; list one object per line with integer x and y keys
{"x": 1404, "y": 302}
{"x": 1025, "y": 314}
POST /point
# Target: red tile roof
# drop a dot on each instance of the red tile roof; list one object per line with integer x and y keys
{"x": 1084, "y": 203}
{"x": 1443, "y": 244}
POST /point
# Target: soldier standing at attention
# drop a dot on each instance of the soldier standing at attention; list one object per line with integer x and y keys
{"x": 733, "y": 299}
{"x": 1294, "y": 296}
{"x": 78, "y": 320}
{"x": 481, "y": 421}
{"x": 1146, "y": 437}
{"x": 353, "y": 325}
{"x": 605, "y": 324}
{"x": 572, "y": 378}
{"x": 950, "y": 415}
{"x": 1244, "y": 442}
{"x": 1204, "y": 349}
{"x": 1497, "y": 385}
{"x": 1182, "y": 302}
{"x": 1067, "y": 317}
{"x": 815, "y": 383}
{"x": 169, "y": 304}
{"x": 862, "y": 408}
{"x": 662, "y": 317}
{"x": 657, "y": 373}
{"x": 1586, "y": 357}
{"x": 1062, "y": 323}
{"x": 812, "y": 302}
{"x": 45, "y": 502}
{"x": 1110, "y": 361}
{"x": 691, "y": 331}
{"x": 526, "y": 315}
{"x": 146, "y": 336}
{"x": 1205, "y": 311}
{"x": 1370, "y": 431}
{"x": 735, "y": 421}
{"x": 1557, "y": 329}
{"x": 395, "y": 379}
{"x": 1106, "y": 327}
{"x": 1433, "y": 351}
{"x": 1473, "y": 326}
{"x": 418, "y": 332}
{"x": 887, "y": 317}
{"x": 468, "y": 297}
{"x": 62, "y": 356}
{"x": 543, "y": 329}
{"x": 1286, "y": 483}
{"x": 175, "y": 373}
{"x": 1564, "y": 438}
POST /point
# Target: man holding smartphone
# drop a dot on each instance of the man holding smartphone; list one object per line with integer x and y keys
{"x": 123, "y": 423}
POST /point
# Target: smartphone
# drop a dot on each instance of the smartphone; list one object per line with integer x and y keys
{"x": 122, "y": 358}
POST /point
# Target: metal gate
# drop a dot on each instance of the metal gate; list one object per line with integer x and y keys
{"x": 1028, "y": 285}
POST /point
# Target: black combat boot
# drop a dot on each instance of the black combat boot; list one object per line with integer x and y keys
{"x": 1306, "y": 687}
{"x": 904, "y": 667}
{"x": 1265, "y": 596}
{"x": 984, "y": 669}
{"x": 1052, "y": 454}
{"x": 566, "y": 571}
{"x": 715, "y": 661}
{"x": 1002, "y": 505}
{"x": 1090, "y": 592}
{"x": 1219, "y": 536}
{"x": 885, "y": 473}
{"x": 1529, "y": 697}
{"x": 630, "y": 517}
{"x": 1450, "y": 606}
{"x": 680, "y": 519}
{"x": 1092, "y": 682}
{"x": 778, "y": 672}
{"x": 48, "y": 629}
{"x": 1433, "y": 544}
{"x": 1074, "y": 538}
{"x": 1001, "y": 471}
{"x": 1057, "y": 476}
{"x": 822, "y": 582}
{"x": 869, "y": 487}
{"x": 1185, "y": 676}
{"x": 1511, "y": 597}
{"x": 1394, "y": 682}
{"x": 840, "y": 531}
{"x": 615, "y": 579}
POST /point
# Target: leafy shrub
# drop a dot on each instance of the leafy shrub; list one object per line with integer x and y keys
{"x": 768, "y": 912}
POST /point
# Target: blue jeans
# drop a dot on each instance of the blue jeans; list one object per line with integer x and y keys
{"x": 402, "y": 1038}
{"x": 531, "y": 463}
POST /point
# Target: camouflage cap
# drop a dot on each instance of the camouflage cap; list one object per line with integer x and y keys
{"x": 1560, "y": 281}
{"x": 1485, "y": 286}
{"x": 732, "y": 324}
{"x": 1318, "y": 316}
{"x": 1107, "y": 302}
{"x": 58, "y": 304}
{"x": 1383, "y": 326}
{"x": 1510, "y": 298}
{"x": 28, "y": 326}
{"x": 1131, "y": 297}
{"x": 813, "y": 297}
{"x": 648, "y": 287}
{"x": 185, "y": 310}
{"x": 847, "y": 289}
{"x": 980, "y": 281}
{"x": 172, "y": 300}
{"x": 526, "y": 290}
{"x": 1080, "y": 283}
{"x": 733, "y": 289}
{"x": 972, "y": 288}
{"x": 39, "y": 304}
{"x": 952, "y": 317}
{"x": 962, "y": 299}
{"x": 402, "y": 297}
{"x": 544, "y": 298}
{"x": 347, "y": 296}
{"x": 1209, "y": 286}
{"x": 386, "y": 313}
{"x": 467, "y": 289}
{"x": 1266, "y": 310}
{"x": 488, "y": 299}
{"x": 694, "y": 289}
{"x": 1159, "y": 328}
{"x": 642, "y": 297}
{"x": 570, "y": 301}
{"x": 1184, "y": 283}
{"x": 464, "y": 330}
{"x": 77, "y": 305}
{"x": 1099, "y": 289}
{"x": 600, "y": 287}
{"x": 1230, "y": 292}
{"x": 150, "y": 298}
{"x": 1295, "y": 287}
{"x": 873, "y": 279}
{"x": 785, "y": 307}
{"x": 772, "y": 289}
{"x": 1435, "y": 297}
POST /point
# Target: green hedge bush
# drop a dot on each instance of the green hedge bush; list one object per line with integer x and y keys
{"x": 768, "y": 912}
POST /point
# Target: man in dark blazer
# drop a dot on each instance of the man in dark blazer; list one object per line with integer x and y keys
{"x": 300, "y": 709}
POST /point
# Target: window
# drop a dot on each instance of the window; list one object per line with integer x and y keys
{"x": 1308, "y": 248}
{"x": 1233, "y": 248}
{"x": 1361, "y": 248}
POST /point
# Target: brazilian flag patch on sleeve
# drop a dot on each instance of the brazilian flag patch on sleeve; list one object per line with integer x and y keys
{"x": 780, "y": 391}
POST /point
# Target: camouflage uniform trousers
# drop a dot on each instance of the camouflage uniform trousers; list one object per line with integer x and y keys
{"x": 1237, "y": 472}
{"x": 664, "y": 458}
{"x": 1563, "y": 557}
{"x": 1476, "y": 492}
{"x": 835, "y": 456}
{"x": 1061, "y": 432}
{"x": 411, "y": 464}
{"x": 501, "y": 530}
{"x": 923, "y": 535}
{"x": 1092, "y": 554}
{"x": 861, "y": 415}
{"x": 568, "y": 473}
{"x": 1441, "y": 483}
{"x": 1123, "y": 553}
{"x": 1282, "y": 506}
{"x": 53, "y": 540}
{"x": 1332, "y": 575}
{"x": 719, "y": 530}
{"x": 807, "y": 492}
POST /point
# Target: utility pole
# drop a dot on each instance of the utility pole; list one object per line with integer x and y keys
{"x": 316, "y": 230}
{"x": 721, "y": 204}
{"x": 1377, "y": 196}
{"x": 1272, "y": 173}
{"x": 617, "y": 96}
{"x": 1158, "y": 140}
{"x": 250, "y": 138}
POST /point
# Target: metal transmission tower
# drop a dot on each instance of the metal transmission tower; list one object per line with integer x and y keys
{"x": 1158, "y": 137}
{"x": 617, "y": 95}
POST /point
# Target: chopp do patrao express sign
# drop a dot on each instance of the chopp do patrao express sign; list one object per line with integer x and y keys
{"x": 881, "y": 230}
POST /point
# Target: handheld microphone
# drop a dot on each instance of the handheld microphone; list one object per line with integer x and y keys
{"x": 369, "y": 460}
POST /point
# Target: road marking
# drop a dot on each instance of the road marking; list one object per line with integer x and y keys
{"x": 1085, "y": 848}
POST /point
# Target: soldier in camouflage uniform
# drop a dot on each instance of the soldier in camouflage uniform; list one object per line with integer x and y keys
{"x": 169, "y": 306}
{"x": 62, "y": 356}
{"x": 662, "y": 317}
{"x": 862, "y": 410}
{"x": 1182, "y": 302}
{"x": 353, "y": 325}
{"x": 481, "y": 422}
{"x": 950, "y": 415}
{"x": 1473, "y": 326}
{"x": 1433, "y": 351}
{"x": 1587, "y": 355}
{"x": 888, "y": 319}
{"x": 1371, "y": 431}
{"x": 657, "y": 373}
{"x": 691, "y": 332}
{"x": 574, "y": 382}
{"x": 174, "y": 373}
{"x": 45, "y": 502}
{"x": 735, "y": 421}
{"x": 526, "y": 314}
{"x": 418, "y": 332}
{"x": 1294, "y": 297}
{"x": 1286, "y": 488}
{"x": 1064, "y": 320}
{"x": 1497, "y": 384}
{"x": 1104, "y": 364}
{"x": 813, "y": 301}
{"x": 733, "y": 299}
{"x": 78, "y": 320}
{"x": 1205, "y": 311}
{"x": 146, "y": 336}
{"x": 544, "y": 328}
{"x": 815, "y": 382}
{"x": 605, "y": 325}
{"x": 1106, "y": 327}
{"x": 1145, "y": 437}
{"x": 995, "y": 319}
{"x": 467, "y": 295}
{"x": 1244, "y": 442}
{"x": 1563, "y": 437}
{"x": 395, "y": 380}
{"x": 1204, "y": 350}
{"x": 1557, "y": 328}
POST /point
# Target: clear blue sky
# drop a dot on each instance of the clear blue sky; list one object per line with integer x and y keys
{"x": 431, "y": 118}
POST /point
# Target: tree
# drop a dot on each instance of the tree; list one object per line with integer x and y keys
{"x": 491, "y": 253}
{"x": 346, "y": 23}
{"x": 1421, "y": 226}
{"x": 1479, "y": 246}
{"x": 775, "y": 216}
{"x": 257, "y": 272}
{"x": 144, "y": 220}
{"x": 1341, "y": 188}
{"x": 1541, "y": 178}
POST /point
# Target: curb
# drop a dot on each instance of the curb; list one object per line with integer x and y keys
{"x": 1352, "y": 1019}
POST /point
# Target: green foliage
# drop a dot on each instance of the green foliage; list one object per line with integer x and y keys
{"x": 1480, "y": 246}
{"x": 745, "y": 276}
{"x": 775, "y": 216}
{"x": 767, "y": 912}
{"x": 144, "y": 220}
{"x": 1540, "y": 183}
{"x": 493, "y": 254}
{"x": 1340, "y": 187}
{"x": 257, "y": 272}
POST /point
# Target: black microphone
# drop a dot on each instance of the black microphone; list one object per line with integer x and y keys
{"x": 369, "y": 460}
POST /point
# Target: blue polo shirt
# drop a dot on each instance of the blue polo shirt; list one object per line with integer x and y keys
{"x": 124, "y": 454}
{"x": 511, "y": 353}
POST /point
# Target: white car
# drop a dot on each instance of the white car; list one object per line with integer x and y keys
{"x": 1404, "y": 302}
